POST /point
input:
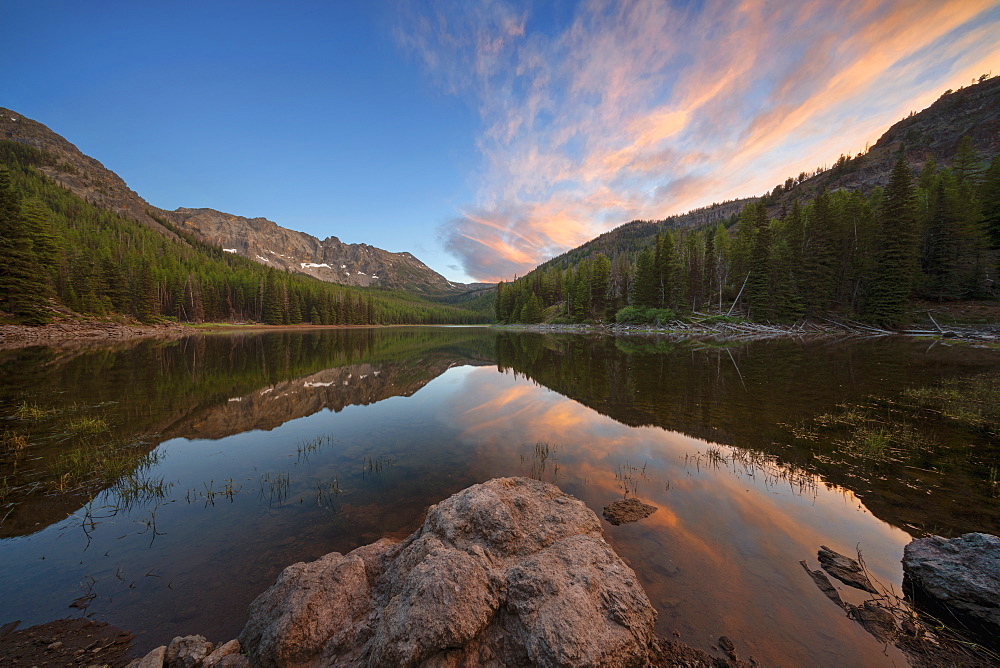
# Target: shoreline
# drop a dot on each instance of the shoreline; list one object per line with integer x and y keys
{"x": 70, "y": 333}
{"x": 983, "y": 335}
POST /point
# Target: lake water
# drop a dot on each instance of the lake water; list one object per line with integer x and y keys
{"x": 242, "y": 454}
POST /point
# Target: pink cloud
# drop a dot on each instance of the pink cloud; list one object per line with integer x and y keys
{"x": 641, "y": 109}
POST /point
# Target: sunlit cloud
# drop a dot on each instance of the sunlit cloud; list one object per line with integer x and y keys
{"x": 644, "y": 108}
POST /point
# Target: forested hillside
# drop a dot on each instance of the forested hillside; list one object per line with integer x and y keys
{"x": 933, "y": 235}
{"x": 933, "y": 134}
{"x": 61, "y": 252}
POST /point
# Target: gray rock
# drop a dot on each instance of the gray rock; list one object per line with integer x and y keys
{"x": 187, "y": 652}
{"x": 845, "y": 569}
{"x": 511, "y": 571}
{"x": 222, "y": 651}
{"x": 152, "y": 660}
{"x": 961, "y": 575}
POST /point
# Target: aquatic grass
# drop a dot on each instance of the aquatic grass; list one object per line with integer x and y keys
{"x": 628, "y": 477}
{"x": 106, "y": 464}
{"x": 539, "y": 461}
{"x": 756, "y": 465}
{"x": 972, "y": 401}
{"x": 306, "y": 448}
{"x": 87, "y": 424}
{"x": 13, "y": 443}
{"x": 328, "y": 493}
{"x": 274, "y": 487}
{"x": 228, "y": 491}
{"x": 878, "y": 431}
{"x": 376, "y": 466}
{"x": 138, "y": 489}
{"x": 33, "y": 412}
{"x": 874, "y": 443}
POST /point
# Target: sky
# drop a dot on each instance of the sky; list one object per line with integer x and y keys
{"x": 483, "y": 137}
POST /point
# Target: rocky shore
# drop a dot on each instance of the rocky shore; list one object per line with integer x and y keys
{"x": 515, "y": 572}
{"x": 508, "y": 572}
{"x": 73, "y": 333}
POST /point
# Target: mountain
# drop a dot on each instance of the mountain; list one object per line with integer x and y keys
{"x": 61, "y": 251}
{"x": 973, "y": 111}
{"x": 258, "y": 239}
{"x": 329, "y": 260}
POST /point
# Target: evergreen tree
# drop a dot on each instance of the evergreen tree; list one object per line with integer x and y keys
{"x": 273, "y": 311}
{"x": 22, "y": 288}
{"x": 989, "y": 196}
{"x": 758, "y": 290}
{"x": 644, "y": 287}
{"x": 891, "y": 284}
{"x": 819, "y": 265}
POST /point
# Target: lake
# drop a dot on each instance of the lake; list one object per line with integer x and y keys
{"x": 162, "y": 485}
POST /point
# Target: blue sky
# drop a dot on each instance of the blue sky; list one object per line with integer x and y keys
{"x": 483, "y": 137}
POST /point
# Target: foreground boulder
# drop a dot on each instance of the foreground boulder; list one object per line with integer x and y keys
{"x": 957, "y": 579}
{"x": 510, "y": 572}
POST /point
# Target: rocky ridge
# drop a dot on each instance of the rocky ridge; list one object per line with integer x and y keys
{"x": 329, "y": 260}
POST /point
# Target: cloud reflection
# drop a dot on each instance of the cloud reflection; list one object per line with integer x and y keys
{"x": 728, "y": 535}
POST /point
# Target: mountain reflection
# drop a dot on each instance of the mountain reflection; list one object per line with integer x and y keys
{"x": 761, "y": 396}
{"x": 206, "y": 387}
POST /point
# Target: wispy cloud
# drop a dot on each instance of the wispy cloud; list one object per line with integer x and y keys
{"x": 644, "y": 108}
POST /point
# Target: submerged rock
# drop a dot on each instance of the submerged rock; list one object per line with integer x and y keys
{"x": 961, "y": 575}
{"x": 845, "y": 569}
{"x": 512, "y": 571}
{"x": 628, "y": 510}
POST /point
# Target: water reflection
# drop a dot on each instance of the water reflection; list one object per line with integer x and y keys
{"x": 327, "y": 441}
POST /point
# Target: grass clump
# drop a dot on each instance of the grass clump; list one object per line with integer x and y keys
{"x": 972, "y": 401}
{"x": 87, "y": 424}
{"x": 106, "y": 464}
{"x": 12, "y": 443}
{"x": 32, "y": 412}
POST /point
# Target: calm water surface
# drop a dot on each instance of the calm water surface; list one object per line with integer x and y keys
{"x": 243, "y": 454}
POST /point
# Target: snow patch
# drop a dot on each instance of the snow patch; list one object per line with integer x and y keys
{"x": 237, "y": 399}
{"x": 228, "y": 250}
{"x": 308, "y": 384}
{"x": 343, "y": 266}
{"x": 262, "y": 258}
{"x": 313, "y": 265}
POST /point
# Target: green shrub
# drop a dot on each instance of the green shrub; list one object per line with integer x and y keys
{"x": 637, "y": 315}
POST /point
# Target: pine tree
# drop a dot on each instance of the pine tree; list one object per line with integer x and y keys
{"x": 891, "y": 284}
{"x": 759, "y": 283}
{"x": 273, "y": 311}
{"x": 819, "y": 265}
{"x": 644, "y": 287}
{"x": 989, "y": 196}
{"x": 22, "y": 289}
